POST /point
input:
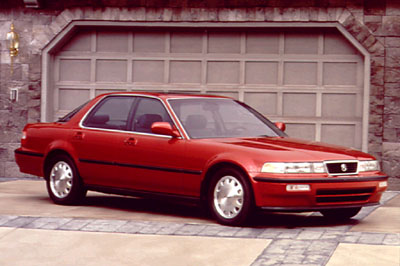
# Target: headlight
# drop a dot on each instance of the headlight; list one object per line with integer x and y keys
{"x": 364, "y": 166}
{"x": 293, "y": 168}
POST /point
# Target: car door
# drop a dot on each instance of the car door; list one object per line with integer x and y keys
{"x": 151, "y": 162}
{"x": 95, "y": 141}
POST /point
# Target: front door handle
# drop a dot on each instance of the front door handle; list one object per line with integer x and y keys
{"x": 130, "y": 141}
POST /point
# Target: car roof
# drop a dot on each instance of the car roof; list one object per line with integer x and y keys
{"x": 171, "y": 95}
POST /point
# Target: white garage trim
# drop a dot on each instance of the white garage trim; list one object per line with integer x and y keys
{"x": 51, "y": 48}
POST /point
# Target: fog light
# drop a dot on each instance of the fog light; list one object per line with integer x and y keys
{"x": 298, "y": 188}
{"x": 383, "y": 184}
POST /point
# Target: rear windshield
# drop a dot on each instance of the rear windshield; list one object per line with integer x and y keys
{"x": 71, "y": 114}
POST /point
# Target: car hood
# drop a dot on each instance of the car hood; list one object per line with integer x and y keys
{"x": 291, "y": 149}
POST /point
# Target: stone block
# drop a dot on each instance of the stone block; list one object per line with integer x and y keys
{"x": 376, "y": 90}
{"x": 392, "y": 105}
{"x": 67, "y": 15}
{"x": 377, "y": 49}
{"x": 111, "y": 13}
{"x": 167, "y": 14}
{"x": 269, "y": 14}
{"x": 391, "y": 135}
{"x": 392, "y": 42}
{"x": 344, "y": 16}
{"x": 212, "y": 14}
{"x": 290, "y": 14}
{"x": 392, "y": 57}
{"x": 392, "y": 89}
{"x": 226, "y": 14}
{"x": 392, "y": 8}
{"x": 377, "y": 75}
{"x": 391, "y": 158}
{"x": 277, "y": 14}
{"x": 154, "y": 14}
{"x": 391, "y": 25}
{"x": 392, "y": 120}
{"x": 77, "y": 13}
{"x": 392, "y": 74}
{"x": 373, "y": 23}
{"x": 241, "y": 14}
{"x": 314, "y": 13}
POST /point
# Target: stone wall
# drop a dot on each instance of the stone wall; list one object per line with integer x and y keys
{"x": 375, "y": 24}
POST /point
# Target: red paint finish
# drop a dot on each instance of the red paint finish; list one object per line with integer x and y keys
{"x": 178, "y": 164}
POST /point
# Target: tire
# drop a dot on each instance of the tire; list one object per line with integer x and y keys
{"x": 63, "y": 183}
{"x": 340, "y": 214}
{"x": 230, "y": 198}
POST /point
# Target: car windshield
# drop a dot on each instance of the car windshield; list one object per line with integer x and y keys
{"x": 221, "y": 118}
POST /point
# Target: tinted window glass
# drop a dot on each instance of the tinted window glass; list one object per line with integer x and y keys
{"x": 148, "y": 111}
{"x": 111, "y": 113}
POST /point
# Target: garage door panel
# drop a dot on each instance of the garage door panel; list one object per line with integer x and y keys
{"x": 336, "y": 44}
{"x": 299, "y": 104}
{"x": 301, "y": 43}
{"x": 224, "y": 42}
{"x": 300, "y": 73}
{"x": 265, "y": 103}
{"x": 338, "y": 134}
{"x": 148, "y": 71}
{"x": 74, "y": 70}
{"x": 185, "y": 72}
{"x": 302, "y": 131}
{"x": 340, "y": 73}
{"x": 149, "y": 42}
{"x": 223, "y": 72}
{"x": 80, "y": 42}
{"x": 262, "y": 43}
{"x": 339, "y": 105}
{"x": 112, "y": 41}
{"x": 186, "y": 42}
{"x": 111, "y": 70}
{"x": 69, "y": 99}
{"x": 262, "y": 72}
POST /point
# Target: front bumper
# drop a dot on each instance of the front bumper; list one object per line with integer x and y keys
{"x": 325, "y": 192}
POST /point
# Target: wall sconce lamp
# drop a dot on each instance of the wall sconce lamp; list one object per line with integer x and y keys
{"x": 13, "y": 44}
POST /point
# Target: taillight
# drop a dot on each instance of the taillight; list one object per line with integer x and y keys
{"x": 23, "y": 137}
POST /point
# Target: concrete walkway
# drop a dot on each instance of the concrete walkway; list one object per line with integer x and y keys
{"x": 107, "y": 230}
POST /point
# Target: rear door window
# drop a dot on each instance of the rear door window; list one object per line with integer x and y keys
{"x": 111, "y": 113}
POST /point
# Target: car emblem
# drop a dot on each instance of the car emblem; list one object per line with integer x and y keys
{"x": 343, "y": 166}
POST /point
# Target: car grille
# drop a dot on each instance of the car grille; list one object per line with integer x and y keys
{"x": 344, "y": 195}
{"x": 342, "y": 168}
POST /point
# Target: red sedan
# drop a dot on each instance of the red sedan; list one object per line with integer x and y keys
{"x": 210, "y": 149}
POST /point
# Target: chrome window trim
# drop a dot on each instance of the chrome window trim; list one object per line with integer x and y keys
{"x": 127, "y": 131}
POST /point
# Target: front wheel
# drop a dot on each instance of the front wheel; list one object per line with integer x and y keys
{"x": 64, "y": 185}
{"x": 340, "y": 214}
{"x": 230, "y": 197}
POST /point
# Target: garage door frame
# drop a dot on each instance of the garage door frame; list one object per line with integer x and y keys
{"x": 70, "y": 29}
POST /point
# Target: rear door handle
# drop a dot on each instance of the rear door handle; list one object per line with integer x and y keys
{"x": 78, "y": 136}
{"x": 130, "y": 141}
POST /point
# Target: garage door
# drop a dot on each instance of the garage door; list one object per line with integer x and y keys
{"x": 311, "y": 79}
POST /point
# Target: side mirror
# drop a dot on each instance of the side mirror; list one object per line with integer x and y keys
{"x": 164, "y": 128}
{"x": 281, "y": 126}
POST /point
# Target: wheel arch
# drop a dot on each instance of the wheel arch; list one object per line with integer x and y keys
{"x": 52, "y": 154}
{"x": 213, "y": 169}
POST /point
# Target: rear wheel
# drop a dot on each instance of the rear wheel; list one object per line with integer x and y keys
{"x": 230, "y": 197}
{"x": 341, "y": 214}
{"x": 64, "y": 185}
